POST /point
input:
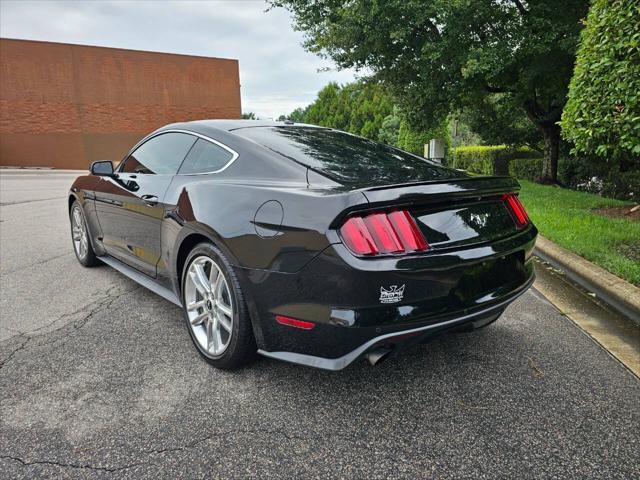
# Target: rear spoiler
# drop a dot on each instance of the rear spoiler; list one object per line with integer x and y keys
{"x": 425, "y": 192}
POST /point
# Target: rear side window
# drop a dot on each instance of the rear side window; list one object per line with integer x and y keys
{"x": 160, "y": 155}
{"x": 346, "y": 158}
{"x": 205, "y": 157}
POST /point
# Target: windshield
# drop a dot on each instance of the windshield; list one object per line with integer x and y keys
{"x": 347, "y": 158}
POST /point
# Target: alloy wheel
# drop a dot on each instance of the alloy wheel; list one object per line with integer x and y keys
{"x": 79, "y": 232}
{"x": 209, "y": 305}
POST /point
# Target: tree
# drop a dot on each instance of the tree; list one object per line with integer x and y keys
{"x": 390, "y": 128}
{"x": 602, "y": 116}
{"x": 358, "y": 107}
{"x": 413, "y": 140}
{"x": 322, "y": 111}
{"x": 462, "y": 134}
{"x": 441, "y": 55}
{"x": 501, "y": 121}
{"x": 248, "y": 116}
{"x": 297, "y": 115}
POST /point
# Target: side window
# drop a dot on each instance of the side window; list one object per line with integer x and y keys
{"x": 205, "y": 157}
{"x": 161, "y": 154}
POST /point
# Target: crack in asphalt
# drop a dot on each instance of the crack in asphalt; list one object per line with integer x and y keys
{"x": 16, "y": 350}
{"x": 6, "y": 204}
{"x": 40, "y": 263}
{"x": 158, "y": 451}
{"x": 93, "y": 308}
{"x": 104, "y": 304}
{"x": 250, "y": 431}
{"x": 26, "y": 463}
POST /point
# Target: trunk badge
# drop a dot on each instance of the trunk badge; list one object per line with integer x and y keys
{"x": 393, "y": 295}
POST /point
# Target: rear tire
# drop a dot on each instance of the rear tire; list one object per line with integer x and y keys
{"x": 215, "y": 309}
{"x": 81, "y": 237}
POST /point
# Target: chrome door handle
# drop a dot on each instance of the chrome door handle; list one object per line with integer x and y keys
{"x": 150, "y": 200}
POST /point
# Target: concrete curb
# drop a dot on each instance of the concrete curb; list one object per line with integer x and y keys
{"x": 618, "y": 293}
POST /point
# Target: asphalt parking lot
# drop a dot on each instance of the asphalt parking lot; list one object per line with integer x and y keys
{"x": 98, "y": 378}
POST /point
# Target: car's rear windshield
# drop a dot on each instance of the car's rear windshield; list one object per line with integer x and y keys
{"x": 347, "y": 158}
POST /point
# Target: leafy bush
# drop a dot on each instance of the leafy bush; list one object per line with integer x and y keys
{"x": 594, "y": 176}
{"x": 602, "y": 115}
{"x": 390, "y": 128}
{"x": 495, "y": 160}
{"x": 414, "y": 141}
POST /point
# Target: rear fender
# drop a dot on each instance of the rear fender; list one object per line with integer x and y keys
{"x": 200, "y": 232}
{"x": 82, "y": 190}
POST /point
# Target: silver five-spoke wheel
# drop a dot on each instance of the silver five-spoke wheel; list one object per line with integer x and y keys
{"x": 79, "y": 232}
{"x": 209, "y": 305}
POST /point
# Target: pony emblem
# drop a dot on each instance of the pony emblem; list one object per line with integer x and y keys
{"x": 393, "y": 295}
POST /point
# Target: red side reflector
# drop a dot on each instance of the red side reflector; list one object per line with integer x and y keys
{"x": 517, "y": 210}
{"x": 382, "y": 233}
{"x": 294, "y": 322}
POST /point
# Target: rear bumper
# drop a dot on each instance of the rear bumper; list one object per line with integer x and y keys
{"x": 399, "y": 339}
{"x": 343, "y": 296}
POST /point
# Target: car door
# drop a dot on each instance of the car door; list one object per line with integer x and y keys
{"x": 130, "y": 206}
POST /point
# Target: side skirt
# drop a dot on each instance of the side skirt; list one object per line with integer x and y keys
{"x": 142, "y": 279}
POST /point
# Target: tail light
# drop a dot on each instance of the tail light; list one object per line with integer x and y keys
{"x": 516, "y": 209}
{"x": 383, "y": 233}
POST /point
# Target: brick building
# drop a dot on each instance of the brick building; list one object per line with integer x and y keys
{"x": 65, "y": 105}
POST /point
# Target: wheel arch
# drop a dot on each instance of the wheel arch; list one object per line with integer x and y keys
{"x": 189, "y": 240}
{"x": 187, "y": 244}
{"x": 72, "y": 198}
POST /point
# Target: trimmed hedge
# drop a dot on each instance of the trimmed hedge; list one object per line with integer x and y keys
{"x": 497, "y": 160}
{"x": 526, "y": 168}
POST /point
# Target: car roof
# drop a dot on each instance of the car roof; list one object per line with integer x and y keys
{"x": 228, "y": 125}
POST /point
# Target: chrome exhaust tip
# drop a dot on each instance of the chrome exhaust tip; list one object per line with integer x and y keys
{"x": 378, "y": 355}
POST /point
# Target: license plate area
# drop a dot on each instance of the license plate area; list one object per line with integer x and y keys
{"x": 490, "y": 279}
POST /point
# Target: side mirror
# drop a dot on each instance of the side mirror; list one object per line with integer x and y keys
{"x": 102, "y": 168}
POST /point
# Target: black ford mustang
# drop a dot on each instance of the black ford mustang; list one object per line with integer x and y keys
{"x": 303, "y": 243}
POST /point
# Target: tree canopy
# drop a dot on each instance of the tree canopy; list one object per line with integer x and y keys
{"x": 602, "y": 116}
{"x": 441, "y": 55}
{"x": 358, "y": 107}
{"x": 366, "y": 109}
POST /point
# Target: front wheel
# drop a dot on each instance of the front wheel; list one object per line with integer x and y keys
{"x": 215, "y": 309}
{"x": 80, "y": 237}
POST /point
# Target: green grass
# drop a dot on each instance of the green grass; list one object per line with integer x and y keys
{"x": 566, "y": 218}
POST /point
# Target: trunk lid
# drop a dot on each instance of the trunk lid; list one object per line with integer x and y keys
{"x": 465, "y": 223}
{"x": 452, "y": 213}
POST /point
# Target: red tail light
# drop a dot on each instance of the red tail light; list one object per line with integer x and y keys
{"x": 383, "y": 233}
{"x": 516, "y": 209}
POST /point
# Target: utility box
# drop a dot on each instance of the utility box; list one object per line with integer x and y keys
{"x": 436, "y": 149}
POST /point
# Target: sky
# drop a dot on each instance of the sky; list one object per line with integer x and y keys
{"x": 276, "y": 74}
